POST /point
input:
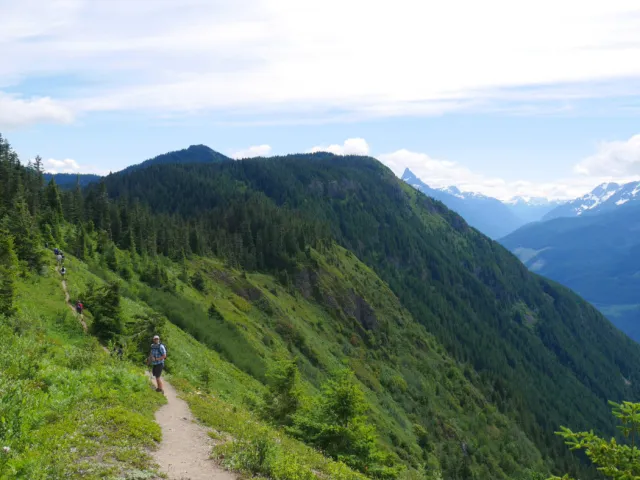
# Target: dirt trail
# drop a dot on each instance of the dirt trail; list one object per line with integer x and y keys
{"x": 186, "y": 447}
{"x": 67, "y": 300}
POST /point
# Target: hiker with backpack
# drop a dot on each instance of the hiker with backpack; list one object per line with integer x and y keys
{"x": 63, "y": 271}
{"x": 156, "y": 359}
{"x": 79, "y": 307}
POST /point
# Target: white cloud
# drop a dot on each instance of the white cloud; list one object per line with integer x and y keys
{"x": 616, "y": 158}
{"x": 614, "y": 162}
{"x": 253, "y": 151}
{"x": 68, "y": 165}
{"x": 17, "y": 112}
{"x": 253, "y": 56}
{"x": 351, "y": 146}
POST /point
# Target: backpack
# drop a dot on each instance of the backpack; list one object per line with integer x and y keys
{"x": 165, "y": 349}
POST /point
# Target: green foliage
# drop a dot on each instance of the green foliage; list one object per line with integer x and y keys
{"x": 67, "y": 410}
{"x": 198, "y": 282}
{"x": 282, "y": 397}
{"x": 155, "y": 275}
{"x": 8, "y": 267}
{"x": 26, "y": 238}
{"x": 247, "y": 445}
{"x": 339, "y": 263}
{"x": 104, "y": 304}
{"x": 337, "y": 425}
{"x": 617, "y": 461}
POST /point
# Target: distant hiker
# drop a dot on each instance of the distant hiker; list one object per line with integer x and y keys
{"x": 156, "y": 358}
{"x": 56, "y": 251}
{"x": 118, "y": 350}
{"x": 63, "y": 271}
{"x": 59, "y": 258}
{"x": 79, "y": 308}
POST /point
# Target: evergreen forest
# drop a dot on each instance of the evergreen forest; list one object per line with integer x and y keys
{"x": 328, "y": 320}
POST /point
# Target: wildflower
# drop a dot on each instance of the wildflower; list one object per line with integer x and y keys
{"x": 6, "y": 449}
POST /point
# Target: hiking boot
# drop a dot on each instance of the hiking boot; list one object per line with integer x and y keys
{"x": 159, "y": 390}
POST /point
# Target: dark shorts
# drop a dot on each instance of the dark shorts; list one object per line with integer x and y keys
{"x": 157, "y": 370}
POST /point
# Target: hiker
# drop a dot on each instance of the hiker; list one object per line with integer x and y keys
{"x": 59, "y": 258}
{"x": 63, "y": 271}
{"x": 156, "y": 358}
{"x": 56, "y": 251}
{"x": 79, "y": 307}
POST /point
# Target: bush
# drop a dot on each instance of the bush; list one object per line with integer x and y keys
{"x": 336, "y": 424}
{"x": 282, "y": 397}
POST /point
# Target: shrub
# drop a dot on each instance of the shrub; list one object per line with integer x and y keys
{"x": 282, "y": 397}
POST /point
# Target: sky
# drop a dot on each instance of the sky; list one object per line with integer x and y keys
{"x": 501, "y": 97}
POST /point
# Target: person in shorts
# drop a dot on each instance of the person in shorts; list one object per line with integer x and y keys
{"x": 156, "y": 359}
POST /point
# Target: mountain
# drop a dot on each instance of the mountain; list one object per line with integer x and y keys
{"x": 539, "y": 353}
{"x": 68, "y": 180}
{"x": 532, "y": 209}
{"x": 487, "y": 214}
{"x": 595, "y": 255}
{"x": 269, "y": 277}
{"x": 261, "y": 311}
{"x": 605, "y": 197}
{"x": 192, "y": 154}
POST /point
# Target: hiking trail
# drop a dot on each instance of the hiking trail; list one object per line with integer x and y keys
{"x": 184, "y": 453}
{"x": 67, "y": 300}
{"x": 185, "y": 450}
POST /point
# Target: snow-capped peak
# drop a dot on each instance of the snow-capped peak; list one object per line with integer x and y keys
{"x": 532, "y": 201}
{"x": 604, "y": 197}
{"x": 452, "y": 190}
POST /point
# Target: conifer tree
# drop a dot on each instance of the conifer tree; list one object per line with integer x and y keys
{"x": 26, "y": 238}
{"x": 8, "y": 267}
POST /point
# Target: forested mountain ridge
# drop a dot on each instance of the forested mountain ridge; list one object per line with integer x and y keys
{"x": 594, "y": 254}
{"x": 327, "y": 309}
{"x": 69, "y": 180}
{"x": 245, "y": 256}
{"x": 544, "y": 356}
{"x": 192, "y": 154}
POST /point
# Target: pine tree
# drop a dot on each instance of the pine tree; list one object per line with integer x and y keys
{"x": 77, "y": 203}
{"x": 26, "y": 238}
{"x": 8, "y": 267}
{"x": 54, "y": 201}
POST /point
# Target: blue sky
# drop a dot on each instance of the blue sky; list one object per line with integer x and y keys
{"x": 539, "y": 98}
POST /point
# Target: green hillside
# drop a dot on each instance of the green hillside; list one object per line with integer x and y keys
{"x": 595, "y": 255}
{"x": 543, "y": 356}
{"x": 317, "y": 304}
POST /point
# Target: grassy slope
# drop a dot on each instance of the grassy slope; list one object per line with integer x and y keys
{"x": 67, "y": 409}
{"x": 224, "y": 401}
{"x": 411, "y": 384}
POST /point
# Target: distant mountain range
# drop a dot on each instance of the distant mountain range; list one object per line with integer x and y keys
{"x": 532, "y": 209}
{"x": 68, "y": 180}
{"x": 605, "y": 197}
{"x": 598, "y": 256}
{"x": 491, "y": 216}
